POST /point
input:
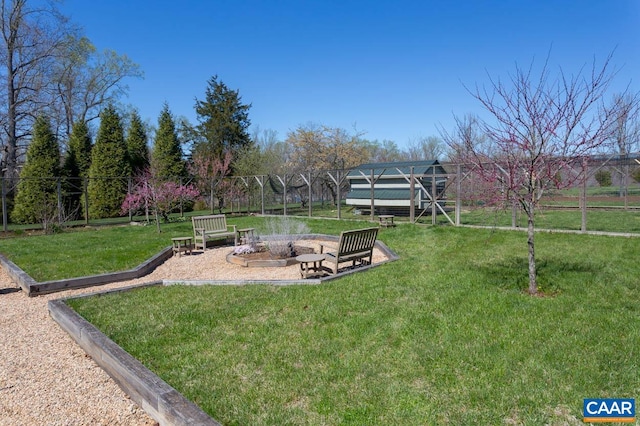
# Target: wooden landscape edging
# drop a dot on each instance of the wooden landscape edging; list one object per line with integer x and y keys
{"x": 33, "y": 288}
{"x": 161, "y": 401}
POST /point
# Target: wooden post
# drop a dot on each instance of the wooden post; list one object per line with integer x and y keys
{"x": 373, "y": 196}
{"x": 433, "y": 196}
{"x": 583, "y": 196}
{"x": 262, "y": 195}
{"x": 338, "y": 194}
{"x": 86, "y": 200}
{"x": 310, "y": 195}
{"x": 5, "y": 217}
{"x": 129, "y": 184}
{"x": 458, "y": 195}
{"x": 181, "y": 204}
{"x": 59, "y": 190}
{"x": 212, "y": 199}
{"x": 412, "y": 197}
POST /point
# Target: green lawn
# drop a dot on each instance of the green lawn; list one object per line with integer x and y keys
{"x": 445, "y": 335}
{"x": 603, "y": 221}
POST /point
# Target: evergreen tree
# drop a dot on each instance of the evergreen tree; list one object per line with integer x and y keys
{"x": 167, "y": 154}
{"x": 224, "y": 121}
{"x": 36, "y": 201}
{"x": 76, "y": 167}
{"x": 110, "y": 169}
{"x": 78, "y": 158}
{"x": 137, "y": 144}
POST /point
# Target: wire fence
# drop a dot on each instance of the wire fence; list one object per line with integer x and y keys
{"x": 606, "y": 198}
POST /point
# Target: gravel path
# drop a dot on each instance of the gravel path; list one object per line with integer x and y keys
{"x": 46, "y": 379}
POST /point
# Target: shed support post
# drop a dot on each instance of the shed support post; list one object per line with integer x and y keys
{"x": 434, "y": 197}
{"x": 373, "y": 204}
{"x": 412, "y": 197}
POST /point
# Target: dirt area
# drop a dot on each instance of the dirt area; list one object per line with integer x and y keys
{"x": 45, "y": 378}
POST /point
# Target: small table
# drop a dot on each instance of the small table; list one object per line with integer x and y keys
{"x": 245, "y": 235}
{"x": 386, "y": 220}
{"x": 182, "y": 245}
{"x": 311, "y": 265}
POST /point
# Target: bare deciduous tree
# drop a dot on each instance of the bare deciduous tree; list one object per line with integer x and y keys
{"x": 323, "y": 148}
{"x": 626, "y": 135}
{"x": 429, "y": 148}
{"x": 84, "y": 80}
{"x": 31, "y": 37}
{"x": 541, "y": 128}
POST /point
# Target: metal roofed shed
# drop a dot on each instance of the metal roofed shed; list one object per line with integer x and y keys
{"x": 396, "y": 187}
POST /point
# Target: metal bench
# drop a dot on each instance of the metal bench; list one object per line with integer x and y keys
{"x": 354, "y": 246}
{"x": 207, "y": 228}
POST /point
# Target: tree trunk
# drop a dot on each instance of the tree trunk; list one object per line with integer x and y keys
{"x": 533, "y": 285}
{"x": 157, "y": 221}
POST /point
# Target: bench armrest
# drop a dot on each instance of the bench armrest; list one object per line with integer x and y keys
{"x": 198, "y": 230}
{"x": 322, "y": 246}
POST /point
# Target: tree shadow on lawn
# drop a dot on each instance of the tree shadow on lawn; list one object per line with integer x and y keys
{"x": 553, "y": 276}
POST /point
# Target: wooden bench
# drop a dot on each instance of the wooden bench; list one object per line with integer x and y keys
{"x": 354, "y": 246}
{"x": 206, "y": 228}
{"x": 386, "y": 220}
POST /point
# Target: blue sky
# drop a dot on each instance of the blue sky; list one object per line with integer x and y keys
{"x": 394, "y": 70}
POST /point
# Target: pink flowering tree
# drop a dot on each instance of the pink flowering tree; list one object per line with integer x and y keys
{"x": 210, "y": 172}
{"x": 538, "y": 135}
{"x": 160, "y": 197}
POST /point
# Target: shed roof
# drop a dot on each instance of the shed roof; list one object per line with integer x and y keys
{"x": 391, "y": 168}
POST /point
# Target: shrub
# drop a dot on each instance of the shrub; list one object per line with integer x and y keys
{"x": 603, "y": 177}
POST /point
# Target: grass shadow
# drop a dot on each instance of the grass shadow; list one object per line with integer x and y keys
{"x": 553, "y": 275}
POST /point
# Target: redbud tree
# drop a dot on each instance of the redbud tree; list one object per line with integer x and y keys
{"x": 158, "y": 196}
{"x": 539, "y": 130}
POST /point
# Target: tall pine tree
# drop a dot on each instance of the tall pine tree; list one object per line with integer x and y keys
{"x": 110, "y": 170}
{"x": 223, "y": 121}
{"x": 76, "y": 167}
{"x": 37, "y": 201}
{"x": 137, "y": 144}
{"x": 167, "y": 154}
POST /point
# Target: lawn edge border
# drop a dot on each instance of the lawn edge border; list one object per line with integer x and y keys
{"x": 34, "y": 288}
{"x": 157, "y": 398}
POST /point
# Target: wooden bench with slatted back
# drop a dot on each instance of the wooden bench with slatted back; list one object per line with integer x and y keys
{"x": 354, "y": 246}
{"x": 206, "y": 228}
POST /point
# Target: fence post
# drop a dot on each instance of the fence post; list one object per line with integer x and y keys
{"x": 85, "y": 191}
{"x": 583, "y": 197}
{"x": 4, "y": 206}
{"x": 129, "y": 187}
{"x": 181, "y": 199}
{"x": 262, "y": 195}
{"x": 284, "y": 195}
{"x": 59, "y": 190}
{"x": 339, "y": 194}
{"x": 412, "y": 196}
{"x": 212, "y": 206}
{"x": 458, "y": 195}
{"x": 373, "y": 197}
{"x": 310, "y": 195}
{"x": 434, "y": 208}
